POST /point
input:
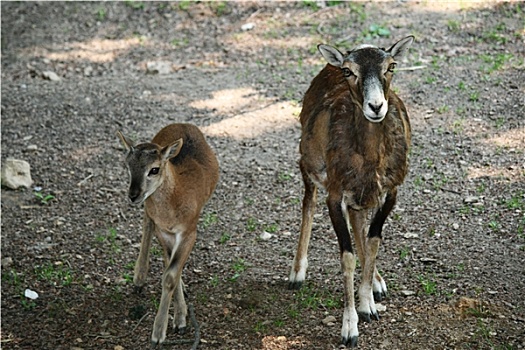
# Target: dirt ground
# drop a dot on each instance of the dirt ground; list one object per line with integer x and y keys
{"x": 454, "y": 248}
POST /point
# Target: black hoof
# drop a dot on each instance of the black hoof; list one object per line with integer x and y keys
{"x": 351, "y": 342}
{"x": 295, "y": 285}
{"x": 155, "y": 344}
{"x": 180, "y": 330}
{"x": 379, "y": 296}
{"x": 365, "y": 317}
{"x": 375, "y": 316}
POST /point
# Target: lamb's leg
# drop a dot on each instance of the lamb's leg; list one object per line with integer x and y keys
{"x": 142, "y": 264}
{"x": 300, "y": 261}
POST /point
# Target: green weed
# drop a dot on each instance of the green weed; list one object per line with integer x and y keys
{"x": 251, "y": 224}
{"x": 136, "y": 5}
{"x": 44, "y": 198}
{"x": 209, "y": 219}
{"x": 54, "y": 274}
{"x": 429, "y": 286}
{"x": 224, "y": 238}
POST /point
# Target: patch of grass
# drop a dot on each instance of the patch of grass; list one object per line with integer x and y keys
{"x": 44, "y": 198}
{"x": 474, "y": 96}
{"x": 496, "y": 62}
{"x": 136, "y": 5}
{"x": 375, "y": 31}
{"x": 214, "y": 281}
{"x": 442, "y": 109}
{"x": 184, "y": 5}
{"x": 179, "y": 43}
{"x": 457, "y": 126}
{"x": 430, "y": 80}
{"x": 238, "y": 267}
{"x": 404, "y": 252}
{"x": 494, "y": 225}
{"x": 251, "y": 224}
{"x": 454, "y": 26}
{"x": 225, "y": 237}
{"x": 462, "y": 86}
{"x": 101, "y": 14}
{"x": 310, "y": 298}
{"x": 271, "y": 228}
{"x": 285, "y": 176}
{"x": 209, "y": 219}
{"x": 55, "y": 274}
{"x": 500, "y": 122}
{"x": 429, "y": 286}
{"x": 516, "y": 202}
{"x": 259, "y": 327}
{"x": 219, "y": 7}
{"x": 27, "y": 304}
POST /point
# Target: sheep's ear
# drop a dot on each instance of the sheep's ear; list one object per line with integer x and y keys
{"x": 128, "y": 144}
{"x": 172, "y": 150}
{"x": 331, "y": 55}
{"x": 398, "y": 49}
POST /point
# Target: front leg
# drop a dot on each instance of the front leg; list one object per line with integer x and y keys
{"x": 171, "y": 283}
{"x": 300, "y": 261}
{"x": 338, "y": 214}
{"x": 142, "y": 264}
{"x": 367, "y": 308}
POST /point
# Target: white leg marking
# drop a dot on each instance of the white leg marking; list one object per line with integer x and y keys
{"x": 300, "y": 275}
{"x": 349, "y": 331}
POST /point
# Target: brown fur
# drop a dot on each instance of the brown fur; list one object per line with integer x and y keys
{"x": 359, "y": 158}
{"x": 188, "y": 172}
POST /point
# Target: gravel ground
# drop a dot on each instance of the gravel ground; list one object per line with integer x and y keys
{"x": 453, "y": 248}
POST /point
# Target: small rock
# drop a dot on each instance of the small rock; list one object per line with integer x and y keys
{"x": 88, "y": 71}
{"x": 455, "y": 226}
{"x": 265, "y": 236}
{"x": 471, "y": 199}
{"x": 408, "y": 293}
{"x": 32, "y": 148}
{"x": 16, "y": 173}
{"x": 50, "y": 76}
{"x": 6, "y": 262}
{"x": 329, "y": 320}
{"x": 248, "y": 26}
{"x": 410, "y": 235}
{"x": 31, "y": 294}
{"x": 158, "y": 67}
{"x": 380, "y": 307}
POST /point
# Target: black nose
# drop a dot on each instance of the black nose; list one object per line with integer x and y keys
{"x": 376, "y": 108}
{"x": 133, "y": 196}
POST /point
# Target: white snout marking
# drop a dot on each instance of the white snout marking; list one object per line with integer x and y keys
{"x": 375, "y": 105}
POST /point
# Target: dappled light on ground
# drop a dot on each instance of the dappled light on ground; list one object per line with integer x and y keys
{"x": 96, "y": 50}
{"x": 251, "y": 114}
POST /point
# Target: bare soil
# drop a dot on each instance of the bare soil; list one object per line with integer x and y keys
{"x": 453, "y": 251}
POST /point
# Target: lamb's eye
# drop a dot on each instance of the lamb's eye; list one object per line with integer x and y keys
{"x": 391, "y": 67}
{"x": 153, "y": 171}
{"x": 347, "y": 72}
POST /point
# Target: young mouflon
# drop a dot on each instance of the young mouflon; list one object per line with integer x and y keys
{"x": 174, "y": 175}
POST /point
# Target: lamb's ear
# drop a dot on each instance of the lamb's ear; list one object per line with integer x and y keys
{"x": 331, "y": 55}
{"x": 398, "y": 49}
{"x": 128, "y": 144}
{"x": 172, "y": 150}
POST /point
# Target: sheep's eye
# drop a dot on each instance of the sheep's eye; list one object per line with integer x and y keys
{"x": 391, "y": 67}
{"x": 347, "y": 72}
{"x": 153, "y": 171}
